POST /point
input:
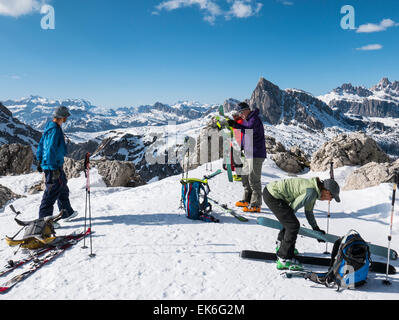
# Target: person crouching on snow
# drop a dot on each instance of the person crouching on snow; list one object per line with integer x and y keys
{"x": 50, "y": 156}
{"x": 284, "y": 198}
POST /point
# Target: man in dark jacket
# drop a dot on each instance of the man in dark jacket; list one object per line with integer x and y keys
{"x": 50, "y": 155}
{"x": 254, "y": 146}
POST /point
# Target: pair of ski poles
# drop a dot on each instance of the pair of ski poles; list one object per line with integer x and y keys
{"x": 395, "y": 185}
{"x": 88, "y": 205}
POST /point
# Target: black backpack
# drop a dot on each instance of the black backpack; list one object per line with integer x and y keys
{"x": 350, "y": 263}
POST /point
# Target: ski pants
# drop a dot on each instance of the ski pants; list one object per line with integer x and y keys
{"x": 56, "y": 191}
{"x": 251, "y": 181}
{"x": 286, "y": 215}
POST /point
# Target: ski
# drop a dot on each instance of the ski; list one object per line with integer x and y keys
{"x": 225, "y": 208}
{"x": 38, "y": 262}
{"x": 374, "y": 249}
{"x": 227, "y": 136}
{"x": 12, "y": 265}
{"x": 376, "y": 267}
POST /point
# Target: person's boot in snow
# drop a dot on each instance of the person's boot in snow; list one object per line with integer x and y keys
{"x": 70, "y": 217}
{"x": 242, "y": 204}
{"x": 252, "y": 209}
{"x": 289, "y": 264}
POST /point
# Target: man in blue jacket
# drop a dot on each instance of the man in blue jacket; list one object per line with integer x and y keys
{"x": 50, "y": 155}
{"x": 254, "y": 146}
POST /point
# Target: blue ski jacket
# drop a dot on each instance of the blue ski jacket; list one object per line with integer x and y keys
{"x": 52, "y": 147}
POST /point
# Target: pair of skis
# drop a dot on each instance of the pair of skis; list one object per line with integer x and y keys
{"x": 39, "y": 259}
{"x": 374, "y": 249}
{"x": 376, "y": 267}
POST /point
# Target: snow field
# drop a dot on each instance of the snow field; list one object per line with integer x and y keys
{"x": 147, "y": 249}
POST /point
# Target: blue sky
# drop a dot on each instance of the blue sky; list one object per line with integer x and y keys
{"x": 125, "y": 53}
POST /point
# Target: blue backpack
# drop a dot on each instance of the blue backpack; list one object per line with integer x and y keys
{"x": 195, "y": 200}
{"x": 350, "y": 263}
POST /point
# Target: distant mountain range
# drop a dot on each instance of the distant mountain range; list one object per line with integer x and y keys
{"x": 292, "y": 116}
{"x": 37, "y": 111}
{"x": 382, "y": 100}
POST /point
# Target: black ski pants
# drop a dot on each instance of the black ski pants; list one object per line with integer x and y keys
{"x": 56, "y": 191}
{"x": 286, "y": 215}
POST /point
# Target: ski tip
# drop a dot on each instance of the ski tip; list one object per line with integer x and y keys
{"x": 4, "y": 289}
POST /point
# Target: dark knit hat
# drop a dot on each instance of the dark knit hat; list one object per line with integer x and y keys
{"x": 243, "y": 106}
{"x": 61, "y": 112}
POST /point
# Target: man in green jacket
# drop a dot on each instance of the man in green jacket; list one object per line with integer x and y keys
{"x": 284, "y": 198}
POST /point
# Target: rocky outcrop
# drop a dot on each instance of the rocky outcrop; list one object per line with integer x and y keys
{"x": 13, "y": 131}
{"x": 290, "y": 106}
{"x": 370, "y": 175}
{"x": 115, "y": 173}
{"x": 15, "y": 159}
{"x": 6, "y": 195}
{"x": 273, "y": 146}
{"x": 291, "y": 161}
{"x": 78, "y": 151}
{"x": 206, "y": 148}
{"x": 348, "y": 150}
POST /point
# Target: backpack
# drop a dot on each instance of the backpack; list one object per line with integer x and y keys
{"x": 350, "y": 263}
{"x": 38, "y": 233}
{"x": 195, "y": 200}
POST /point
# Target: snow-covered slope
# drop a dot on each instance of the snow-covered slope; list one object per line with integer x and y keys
{"x": 147, "y": 249}
{"x": 36, "y": 111}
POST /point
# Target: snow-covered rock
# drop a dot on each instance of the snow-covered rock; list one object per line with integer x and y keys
{"x": 348, "y": 150}
{"x": 370, "y": 175}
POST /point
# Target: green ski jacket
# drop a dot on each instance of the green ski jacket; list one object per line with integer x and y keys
{"x": 298, "y": 193}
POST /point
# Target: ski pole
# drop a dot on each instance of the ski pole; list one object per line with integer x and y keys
{"x": 329, "y": 205}
{"x": 395, "y": 184}
{"x": 88, "y": 204}
{"x": 85, "y": 171}
{"x": 91, "y": 255}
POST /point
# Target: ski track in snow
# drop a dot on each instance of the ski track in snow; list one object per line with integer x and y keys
{"x": 147, "y": 249}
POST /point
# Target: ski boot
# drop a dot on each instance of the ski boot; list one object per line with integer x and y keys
{"x": 289, "y": 264}
{"x": 70, "y": 217}
{"x": 252, "y": 209}
{"x": 237, "y": 178}
{"x": 242, "y": 204}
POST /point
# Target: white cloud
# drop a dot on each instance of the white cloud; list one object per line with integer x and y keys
{"x": 16, "y": 8}
{"x": 370, "y": 47}
{"x": 212, "y": 10}
{"x": 243, "y": 8}
{"x": 286, "y": 3}
{"x": 372, "y": 27}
